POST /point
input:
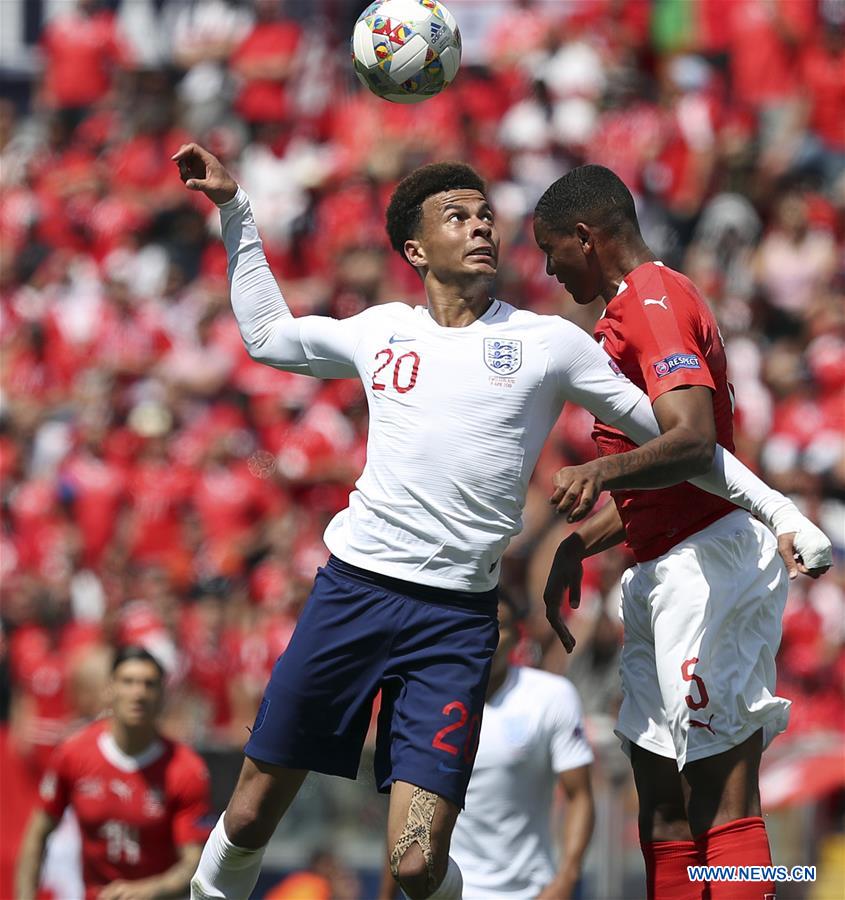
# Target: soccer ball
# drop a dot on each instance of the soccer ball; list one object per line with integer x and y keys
{"x": 406, "y": 50}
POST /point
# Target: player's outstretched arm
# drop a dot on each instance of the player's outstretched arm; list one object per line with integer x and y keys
{"x": 804, "y": 548}
{"x": 313, "y": 345}
{"x": 683, "y": 448}
{"x": 31, "y": 853}
{"x": 585, "y": 376}
{"x": 673, "y": 456}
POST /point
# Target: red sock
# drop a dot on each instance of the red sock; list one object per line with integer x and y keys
{"x": 742, "y": 842}
{"x": 666, "y": 870}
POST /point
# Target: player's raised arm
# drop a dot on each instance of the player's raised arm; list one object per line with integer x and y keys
{"x": 312, "y": 345}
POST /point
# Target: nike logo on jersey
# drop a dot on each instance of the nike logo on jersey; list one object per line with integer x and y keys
{"x": 444, "y": 768}
{"x": 399, "y": 340}
{"x": 661, "y": 302}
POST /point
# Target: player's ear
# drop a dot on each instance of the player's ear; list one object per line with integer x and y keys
{"x": 415, "y": 254}
{"x": 585, "y": 237}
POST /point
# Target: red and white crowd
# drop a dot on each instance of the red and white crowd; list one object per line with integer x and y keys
{"x": 159, "y": 487}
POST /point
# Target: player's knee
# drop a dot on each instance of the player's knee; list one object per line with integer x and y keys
{"x": 412, "y": 873}
{"x": 247, "y": 825}
{"x": 416, "y": 877}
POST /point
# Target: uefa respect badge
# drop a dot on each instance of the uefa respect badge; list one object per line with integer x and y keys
{"x": 676, "y": 361}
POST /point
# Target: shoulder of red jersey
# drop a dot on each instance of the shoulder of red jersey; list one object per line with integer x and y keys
{"x": 652, "y": 287}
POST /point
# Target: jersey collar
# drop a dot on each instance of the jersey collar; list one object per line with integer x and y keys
{"x": 491, "y": 313}
{"x": 623, "y": 285}
{"x": 123, "y": 761}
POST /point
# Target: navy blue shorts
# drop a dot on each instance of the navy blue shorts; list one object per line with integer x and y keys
{"x": 427, "y": 650}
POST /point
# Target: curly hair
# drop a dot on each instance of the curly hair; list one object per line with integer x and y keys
{"x": 591, "y": 194}
{"x": 404, "y": 212}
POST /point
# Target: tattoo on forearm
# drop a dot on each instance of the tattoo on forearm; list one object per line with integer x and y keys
{"x": 663, "y": 458}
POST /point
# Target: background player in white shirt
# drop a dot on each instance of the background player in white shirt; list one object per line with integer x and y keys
{"x": 462, "y": 394}
{"x": 532, "y": 739}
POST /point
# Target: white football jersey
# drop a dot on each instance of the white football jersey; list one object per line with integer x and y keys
{"x": 530, "y": 733}
{"x": 457, "y": 415}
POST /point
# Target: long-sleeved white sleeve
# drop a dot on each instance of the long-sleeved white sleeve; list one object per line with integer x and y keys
{"x": 311, "y": 345}
{"x": 732, "y": 480}
{"x": 591, "y": 384}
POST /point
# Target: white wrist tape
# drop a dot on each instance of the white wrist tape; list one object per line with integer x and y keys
{"x": 811, "y": 542}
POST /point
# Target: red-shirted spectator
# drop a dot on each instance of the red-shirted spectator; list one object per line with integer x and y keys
{"x": 82, "y": 49}
{"x": 158, "y": 496}
{"x": 822, "y": 74}
{"x": 765, "y": 38}
{"x": 263, "y": 61}
{"x": 45, "y": 538}
{"x": 130, "y": 337}
{"x": 211, "y": 648}
{"x": 29, "y": 373}
{"x": 43, "y": 655}
{"x": 96, "y": 487}
{"x": 682, "y": 173}
{"x": 626, "y": 139}
{"x": 142, "y": 166}
{"x": 232, "y": 504}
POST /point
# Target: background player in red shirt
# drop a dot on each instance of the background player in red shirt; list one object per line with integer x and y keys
{"x": 139, "y": 798}
{"x": 702, "y": 608}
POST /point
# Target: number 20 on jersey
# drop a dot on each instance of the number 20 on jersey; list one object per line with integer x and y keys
{"x": 401, "y": 370}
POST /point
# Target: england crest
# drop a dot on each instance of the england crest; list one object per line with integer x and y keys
{"x": 503, "y": 357}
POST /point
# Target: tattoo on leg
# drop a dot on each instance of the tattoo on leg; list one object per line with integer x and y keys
{"x": 417, "y": 830}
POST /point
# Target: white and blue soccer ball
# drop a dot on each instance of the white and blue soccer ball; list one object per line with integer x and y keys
{"x": 406, "y": 50}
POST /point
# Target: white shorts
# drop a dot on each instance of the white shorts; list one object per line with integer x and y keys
{"x": 702, "y": 627}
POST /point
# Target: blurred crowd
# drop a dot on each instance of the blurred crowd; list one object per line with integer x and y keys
{"x": 158, "y": 487}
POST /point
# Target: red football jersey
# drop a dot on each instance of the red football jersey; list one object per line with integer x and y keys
{"x": 134, "y": 812}
{"x": 662, "y": 334}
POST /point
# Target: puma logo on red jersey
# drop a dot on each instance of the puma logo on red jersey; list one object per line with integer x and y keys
{"x": 652, "y": 302}
{"x": 694, "y": 723}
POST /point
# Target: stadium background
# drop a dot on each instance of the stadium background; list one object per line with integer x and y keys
{"x": 159, "y": 487}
